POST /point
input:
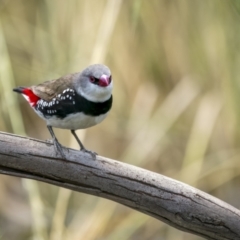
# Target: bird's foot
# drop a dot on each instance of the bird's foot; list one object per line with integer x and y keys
{"x": 93, "y": 154}
{"x": 58, "y": 148}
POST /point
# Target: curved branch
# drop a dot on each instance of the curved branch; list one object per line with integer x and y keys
{"x": 168, "y": 200}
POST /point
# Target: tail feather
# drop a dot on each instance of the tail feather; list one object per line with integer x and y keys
{"x": 28, "y": 94}
{"x": 19, "y": 89}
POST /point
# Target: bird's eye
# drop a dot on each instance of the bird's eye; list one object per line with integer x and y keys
{"x": 110, "y": 79}
{"x": 93, "y": 80}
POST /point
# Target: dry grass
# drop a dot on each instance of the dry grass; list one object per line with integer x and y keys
{"x": 176, "y": 92}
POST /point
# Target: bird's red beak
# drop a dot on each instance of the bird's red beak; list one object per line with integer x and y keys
{"x": 104, "y": 80}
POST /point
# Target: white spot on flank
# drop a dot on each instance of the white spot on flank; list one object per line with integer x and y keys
{"x": 73, "y": 102}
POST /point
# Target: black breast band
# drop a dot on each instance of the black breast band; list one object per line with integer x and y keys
{"x": 69, "y": 103}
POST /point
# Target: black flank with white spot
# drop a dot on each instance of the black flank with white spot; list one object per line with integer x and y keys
{"x": 68, "y": 102}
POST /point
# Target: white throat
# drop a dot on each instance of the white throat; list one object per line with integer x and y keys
{"x": 96, "y": 93}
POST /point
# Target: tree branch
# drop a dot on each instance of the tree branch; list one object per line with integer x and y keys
{"x": 168, "y": 200}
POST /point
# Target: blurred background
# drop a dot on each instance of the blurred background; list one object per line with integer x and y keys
{"x": 175, "y": 66}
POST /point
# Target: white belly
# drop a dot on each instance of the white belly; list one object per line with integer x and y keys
{"x": 74, "y": 121}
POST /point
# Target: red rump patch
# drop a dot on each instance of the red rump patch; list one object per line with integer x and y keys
{"x": 30, "y": 96}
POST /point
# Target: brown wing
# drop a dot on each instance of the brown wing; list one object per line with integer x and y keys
{"x": 50, "y": 89}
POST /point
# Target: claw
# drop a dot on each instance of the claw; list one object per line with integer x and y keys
{"x": 82, "y": 148}
{"x": 57, "y": 145}
{"x": 93, "y": 154}
{"x": 58, "y": 148}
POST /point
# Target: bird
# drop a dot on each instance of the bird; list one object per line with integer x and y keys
{"x": 75, "y": 101}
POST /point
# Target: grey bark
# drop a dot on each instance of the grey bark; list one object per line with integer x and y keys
{"x": 166, "y": 199}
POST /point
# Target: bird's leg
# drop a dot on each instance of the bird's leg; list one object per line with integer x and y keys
{"x": 57, "y": 145}
{"x": 82, "y": 148}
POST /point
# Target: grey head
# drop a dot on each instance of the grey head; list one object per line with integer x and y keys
{"x": 94, "y": 83}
